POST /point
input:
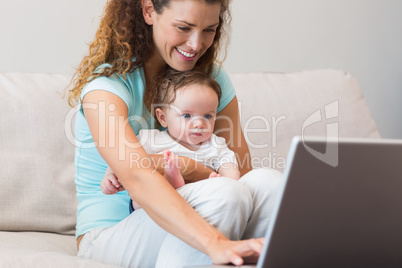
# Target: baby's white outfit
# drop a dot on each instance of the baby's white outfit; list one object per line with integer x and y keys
{"x": 212, "y": 153}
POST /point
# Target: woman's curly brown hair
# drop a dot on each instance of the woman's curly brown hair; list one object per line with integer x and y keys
{"x": 124, "y": 35}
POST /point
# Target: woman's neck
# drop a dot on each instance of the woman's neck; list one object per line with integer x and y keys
{"x": 152, "y": 66}
{"x": 151, "y": 69}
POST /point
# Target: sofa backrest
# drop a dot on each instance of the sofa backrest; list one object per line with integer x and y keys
{"x": 37, "y": 191}
{"x": 275, "y": 107}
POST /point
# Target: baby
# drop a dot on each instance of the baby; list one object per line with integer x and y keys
{"x": 187, "y": 107}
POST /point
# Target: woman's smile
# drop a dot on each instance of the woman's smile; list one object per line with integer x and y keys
{"x": 186, "y": 55}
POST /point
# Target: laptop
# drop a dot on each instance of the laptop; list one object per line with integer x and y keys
{"x": 340, "y": 205}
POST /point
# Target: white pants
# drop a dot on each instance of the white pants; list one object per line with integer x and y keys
{"x": 238, "y": 209}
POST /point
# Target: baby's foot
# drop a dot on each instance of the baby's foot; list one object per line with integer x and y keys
{"x": 214, "y": 175}
{"x": 172, "y": 169}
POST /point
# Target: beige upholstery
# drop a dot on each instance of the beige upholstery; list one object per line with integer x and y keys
{"x": 277, "y": 106}
{"x": 36, "y": 161}
{"x": 47, "y": 250}
{"x": 37, "y": 192}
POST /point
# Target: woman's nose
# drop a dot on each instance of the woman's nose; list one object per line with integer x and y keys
{"x": 195, "y": 42}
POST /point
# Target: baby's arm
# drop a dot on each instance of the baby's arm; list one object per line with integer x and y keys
{"x": 224, "y": 159}
{"x": 229, "y": 170}
{"x": 110, "y": 184}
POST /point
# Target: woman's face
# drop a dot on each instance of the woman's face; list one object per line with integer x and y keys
{"x": 183, "y": 32}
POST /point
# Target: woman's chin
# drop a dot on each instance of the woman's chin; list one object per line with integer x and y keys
{"x": 182, "y": 68}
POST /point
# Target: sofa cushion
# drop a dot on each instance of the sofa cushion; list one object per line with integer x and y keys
{"x": 37, "y": 190}
{"x": 274, "y": 107}
{"x": 42, "y": 250}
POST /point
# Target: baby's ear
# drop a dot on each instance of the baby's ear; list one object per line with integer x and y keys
{"x": 160, "y": 115}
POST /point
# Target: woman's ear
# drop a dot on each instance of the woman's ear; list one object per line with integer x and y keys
{"x": 147, "y": 10}
{"x": 160, "y": 115}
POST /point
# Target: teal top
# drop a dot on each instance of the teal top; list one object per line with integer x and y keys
{"x": 96, "y": 209}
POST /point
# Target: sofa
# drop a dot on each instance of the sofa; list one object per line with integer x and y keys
{"x": 37, "y": 191}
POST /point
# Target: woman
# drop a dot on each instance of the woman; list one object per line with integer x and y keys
{"x": 114, "y": 84}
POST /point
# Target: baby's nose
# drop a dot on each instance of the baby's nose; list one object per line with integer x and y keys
{"x": 198, "y": 123}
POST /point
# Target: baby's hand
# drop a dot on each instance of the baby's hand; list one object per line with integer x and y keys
{"x": 214, "y": 175}
{"x": 110, "y": 184}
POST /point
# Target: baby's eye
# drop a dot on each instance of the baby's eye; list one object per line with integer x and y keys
{"x": 207, "y": 116}
{"x": 186, "y": 115}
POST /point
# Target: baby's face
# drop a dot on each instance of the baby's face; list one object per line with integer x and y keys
{"x": 191, "y": 117}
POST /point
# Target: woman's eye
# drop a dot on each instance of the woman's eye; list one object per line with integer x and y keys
{"x": 182, "y": 28}
{"x": 209, "y": 30}
{"x": 186, "y": 115}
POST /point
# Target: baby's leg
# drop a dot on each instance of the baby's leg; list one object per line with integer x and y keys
{"x": 172, "y": 169}
{"x": 172, "y": 173}
{"x": 263, "y": 185}
{"x": 225, "y": 203}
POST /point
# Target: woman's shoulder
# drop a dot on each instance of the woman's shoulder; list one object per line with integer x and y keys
{"x": 128, "y": 87}
{"x": 128, "y": 80}
{"x": 111, "y": 84}
{"x": 223, "y": 79}
{"x": 218, "y": 72}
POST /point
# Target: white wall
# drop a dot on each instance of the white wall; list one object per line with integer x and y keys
{"x": 362, "y": 37}
{"x": 46, "y": 35}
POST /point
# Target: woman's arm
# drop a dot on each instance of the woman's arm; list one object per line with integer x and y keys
{"x": 228, "y": 126}
{"x": 116, "y": 142}
{"x": 191, "y": 171}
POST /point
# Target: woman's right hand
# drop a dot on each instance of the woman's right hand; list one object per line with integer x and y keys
{"x": 236, "y": 252}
